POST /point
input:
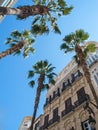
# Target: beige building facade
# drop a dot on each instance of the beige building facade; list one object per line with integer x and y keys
{"x": 25, "y": 124}
{"x": 65, "y": 102}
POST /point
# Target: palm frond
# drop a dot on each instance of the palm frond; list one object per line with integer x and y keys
{"x": 39, "y": 29}
{"x": 35, "y": 20}
{"x": 52, "y": 82}
{"x": 45, "y": 87}
{"x": 64, "y": 46}
{"x": 50, "y": 69}
{"x": 43, "y": 67}
{"x": 56, "y": 29}
{"x": 67, "y": 10}
{"x": 8, "y": 40}
{"x": 89, "y": 48}
{"x": 45, "y": 63}
{"x": 32, "y": 83}
{"x": 67, "y": 48}
{"x": 32, "y": 50}
{"x": 61, "y": 3}
{"x": 81, "y": 35}
{"x": 69, "y": 38}
{"x": 30, "y": 74}
{"x": 16, "y": 34}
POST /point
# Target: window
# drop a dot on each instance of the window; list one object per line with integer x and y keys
{"x": 81, "y": 94}
{"x": 46, "y": 120}
{"x": 27, "y": 124}
{"x": 86, "y": 125}
{"x": 68, "y": 104}
{"x": 49, "y": 98}
{"x": 93, "y": 58}
{"x": 54, "y": 94}
{"x": 96, "y": 56}
{"x": 73, "y": 78}
{"x": 90, "y": 60}
{"x": 96, "y": 79}
{"x": 55, "y": 113}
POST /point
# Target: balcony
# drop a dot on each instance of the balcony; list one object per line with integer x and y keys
{"x": 50, "y": 122}
{"x": 75, "y": 76}
{"x": 51, "y": 98}
{"x": 81, "y": 100}
{"x": 66, "y": 85}
{"x": 55, "y": 94}
{"x": 54, "y": 120}
{"x": 66, "y": 111}
{"x": 45, "y": 126}
{"x": 48, "y": 101}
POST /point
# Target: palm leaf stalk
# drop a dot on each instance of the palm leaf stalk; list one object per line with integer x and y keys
{"x": 13, "y": 49}
{"x": 46, "y": 76}
{"x": 74, "y": 41}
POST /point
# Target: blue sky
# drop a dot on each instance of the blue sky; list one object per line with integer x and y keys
{"x": 16, "y": 97}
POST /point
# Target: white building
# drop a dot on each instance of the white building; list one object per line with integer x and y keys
{"x": 92, "y": 62}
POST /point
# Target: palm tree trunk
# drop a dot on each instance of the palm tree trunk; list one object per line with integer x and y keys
{"x": 10, "y": 11}
{"x": 25, "y": 11}
{"x": 40, "y": 85}
{"x": 12, "y": 49}
{"x": 85, "y": 70}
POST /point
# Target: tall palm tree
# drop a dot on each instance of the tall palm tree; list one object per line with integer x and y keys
{"x": 43, "y": 10}
{"x": 45, "y": 73}
{"x": 18, "y": 41}
{"x": 72, "y": 42}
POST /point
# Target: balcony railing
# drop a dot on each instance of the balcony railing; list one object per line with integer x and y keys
{"x": 51, "y": 98}
{"x": 66, "y": 111}
{"x": 56, "y": 94}
{"x": 66, "y": 84}
{"x": 53, "y": 120}
{"x": 81, "y": 100}
{"x": 50, "y": 122}
{"x": 76, "y": 104}
{"x": 76, "y": 76}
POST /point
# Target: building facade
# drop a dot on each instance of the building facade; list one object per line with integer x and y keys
{"x": 6, "y": 3}
{"x": 26, "y": 122}
{"x": 65, "y": 102}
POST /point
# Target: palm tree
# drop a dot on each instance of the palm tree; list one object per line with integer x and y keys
{"x": 45, "y": 73}
{"x": 24, "y": 40}
{"x": 43, "y": 10}
{"x": 74, "y": 41}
